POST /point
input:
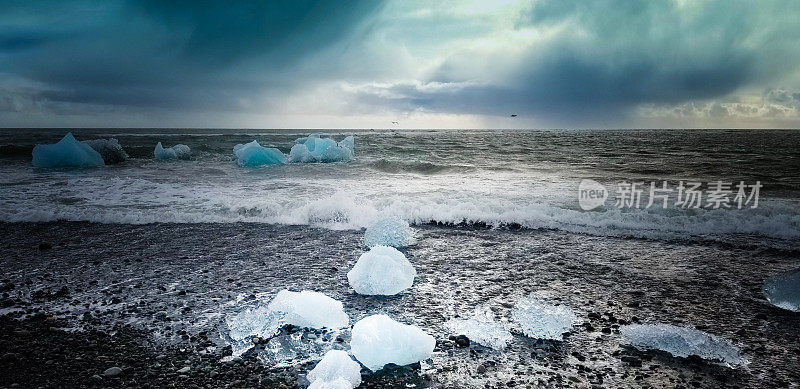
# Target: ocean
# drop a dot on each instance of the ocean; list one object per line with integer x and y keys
{"x": 167, "y": 250}
{"x": 526, "y": 178}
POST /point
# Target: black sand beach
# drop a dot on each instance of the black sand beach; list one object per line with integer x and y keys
{"x": 81, "y": 298}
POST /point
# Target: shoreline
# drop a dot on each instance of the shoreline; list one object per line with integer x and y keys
{"x": 113, "y": 281}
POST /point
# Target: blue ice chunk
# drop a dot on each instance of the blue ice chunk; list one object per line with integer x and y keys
{"x": 389, "y": 231}
{"x": 174, "y": 152}
{"x": 382, "y": 271}
{"x": 540, "y": 320}
{"x": 682, "y": 342}
{"x": 378, "y": 340}
{"x": 68, "y": 152}
{"x": 783, "y": 290}
{"x": 315, "y": 149}
{"x": 253, "y": 154}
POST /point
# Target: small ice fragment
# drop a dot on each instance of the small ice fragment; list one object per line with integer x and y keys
{"x": 315, "y": 149}
{"x": 109, "y": 149}
{"x": 68, "y": 152}
{"x": 381, "y": 271}
{"x": 481, "y": 328}
{"x": 309, "y": 309}
{"x": 253, "y": 154}
{"x": 540, "y": 320}
{"x": 390, "y": 231}
{"x": 682, "y": 342}
{"x": 336, "y": 365}
{"x": 783, "y": 290}
{"x": 378, "y": 340}
{"x": 174, "y": 152}
{"x": 259, "y": 321}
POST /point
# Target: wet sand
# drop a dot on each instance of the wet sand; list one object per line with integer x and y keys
{"x": 80, "y": 298}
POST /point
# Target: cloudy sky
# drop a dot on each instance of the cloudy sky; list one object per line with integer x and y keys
{"x": 425, "y": 64}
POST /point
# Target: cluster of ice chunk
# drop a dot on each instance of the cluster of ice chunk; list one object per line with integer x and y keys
{"x": 541, "y": 320}
{"x": 381, "y": 271}
{"x": 682, "y": 342}
{"x": 389, "y": 231}
{"x": 175, "y": 152}
{"x": 482, "y": 328}
{"x": 303, "y": 309}
{"x": 309, "y": 149}
{"x": 253, "y": 154}
{"x": 378, "y": 340}
{"x": 315, "y": 149}
{"x": 783, "y": 290}
{"x": 109, "y": 149}
{"x": 335, "y": 370}
{"x": 68, "y": 152}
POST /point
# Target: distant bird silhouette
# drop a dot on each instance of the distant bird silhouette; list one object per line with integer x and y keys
{"x": 513, "y": 115}
{"x": 394, "y": 122}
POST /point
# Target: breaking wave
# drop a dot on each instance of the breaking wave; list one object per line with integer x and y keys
{"x": 141, "y": 201}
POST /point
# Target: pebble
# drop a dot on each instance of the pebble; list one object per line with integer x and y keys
{"x": 112, "y": 371}
{"x": 462, "y": 341}
{"x": 184, "y": 369}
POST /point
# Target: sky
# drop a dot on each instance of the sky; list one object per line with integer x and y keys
{"x": 422, "y": 64}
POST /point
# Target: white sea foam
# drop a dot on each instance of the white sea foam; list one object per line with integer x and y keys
{"x": 322, "y": 195}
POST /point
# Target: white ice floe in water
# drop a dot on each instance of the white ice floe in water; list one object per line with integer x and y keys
{"x": 109, "y": 149}
{"x": 253, "y": 154}
{"x": 68, "y": 152}
{"x": 541, "y": 320}
{"x": 309, "y": 309}
{"x": 303, "y": 309}
{"x": 783, "y": 290}
{"x": 390, "y": 231}
{"x": 259, "y": 321}
{"x": 481, "y": 328}
{"x": 378, "y": 340}
{"x": 381, "y": 271}
{"x": 335, "y": 368}
{"x": 682, "y": 342}
{"x": 175, "y": 152}
{"x": 315, "y": 149}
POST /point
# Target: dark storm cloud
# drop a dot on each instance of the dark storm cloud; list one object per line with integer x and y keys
{"x": 603, "y": 57}
{"x": 572, "y": 63}
{"x": 163, "y": 54}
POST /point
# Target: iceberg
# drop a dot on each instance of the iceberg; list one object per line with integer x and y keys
{"x": 109, "y": 149}
{"x": 253, "y": 154}
{"x": 682, "y": 342}
{"x": 481, "y": 328}
{"x": 315, "y": 149}
{"x": 378, "y": 340}
{"x": 381, "y": 271}
{"x": 783, "y": 290}
{"x": 390, "y": 231}
{"x": 309, "y": 309}
{"x": 540, "y": 320}
{"x": 334, "y": 370}
{"x": 174, "y": 152}
{"x": 68, "y": 152}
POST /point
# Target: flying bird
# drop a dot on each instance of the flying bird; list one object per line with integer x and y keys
{"x": 394, "y": 122}
{"x": 513, "y": 115}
